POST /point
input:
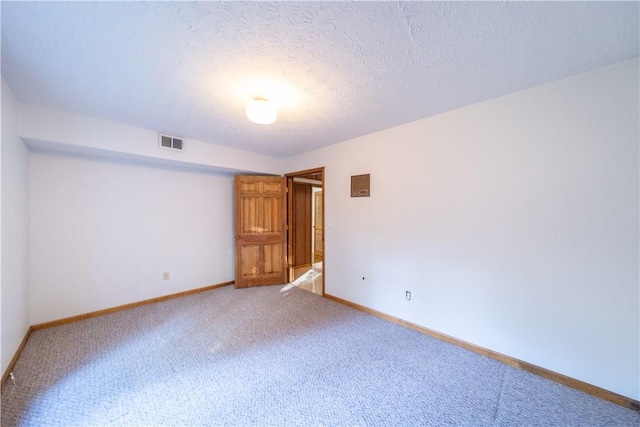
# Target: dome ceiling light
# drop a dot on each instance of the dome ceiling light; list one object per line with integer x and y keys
{"x": 261, "y": 111}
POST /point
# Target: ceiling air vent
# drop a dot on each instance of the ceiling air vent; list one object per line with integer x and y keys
{"x": 171, "y": 142}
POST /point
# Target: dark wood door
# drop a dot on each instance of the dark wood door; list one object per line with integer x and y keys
{"x": 260, "y": 231}
{"x": 301, "y": 225}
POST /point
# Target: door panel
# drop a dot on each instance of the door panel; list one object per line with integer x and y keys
{"x": 249, "y": 187}
{"x": 249, "y": 215}
{"x": 273, "y": 188}
{"x": 273, "y": 217}
{"x": 260, "y": 231}
{"x": 250, "y": 260}
{"x": 272, "y": 261}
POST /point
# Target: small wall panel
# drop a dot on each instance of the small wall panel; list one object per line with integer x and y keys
{"x": 360, "y": 185}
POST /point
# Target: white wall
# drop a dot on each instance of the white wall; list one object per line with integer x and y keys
{"x": 54, "y": 129}
{"x": 15, "y": 230}
{"x": 514, "y": 222}
{"x": 115, "y": 211}
{"x": 103, "y": 231}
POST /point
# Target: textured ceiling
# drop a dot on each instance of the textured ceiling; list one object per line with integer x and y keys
{"x": 337, "y": 69}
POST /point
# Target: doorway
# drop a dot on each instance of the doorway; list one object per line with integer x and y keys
{"x": 305, "y": 237}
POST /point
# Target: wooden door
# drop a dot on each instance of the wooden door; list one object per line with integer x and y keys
{"x": 260, "y": 231}
{"x": 318, "y": 253}
{"x": 301, "y": 225}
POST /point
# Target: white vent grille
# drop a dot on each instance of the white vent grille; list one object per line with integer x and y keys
{"x": 171, "y": 142}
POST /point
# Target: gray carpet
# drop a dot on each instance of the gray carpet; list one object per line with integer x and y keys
{"x": 262, "y": 357}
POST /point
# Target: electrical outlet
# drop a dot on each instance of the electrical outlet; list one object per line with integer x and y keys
{"x": 407, "y": 295}
{"x": 166, "y": 275}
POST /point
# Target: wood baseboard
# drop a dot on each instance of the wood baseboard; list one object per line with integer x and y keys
{"x": 601, "y": 393}
{"x": 307, "y": 265}
{"x": 14, "y": 359}
{"x": 79, "y": 317}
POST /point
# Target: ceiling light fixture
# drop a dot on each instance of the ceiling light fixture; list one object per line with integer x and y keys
{"x": 261, "y": 111}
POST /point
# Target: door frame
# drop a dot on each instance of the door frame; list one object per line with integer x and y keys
{"x": 314, "y": 192}
{"x": 290, "y": 241}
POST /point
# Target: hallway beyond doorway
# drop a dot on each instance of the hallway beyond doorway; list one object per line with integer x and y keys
{"x": 309, "y": 278}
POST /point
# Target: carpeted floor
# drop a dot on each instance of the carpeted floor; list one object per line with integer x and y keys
{"x": 264, "y": 357}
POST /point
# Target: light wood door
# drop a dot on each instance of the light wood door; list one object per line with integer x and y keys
{"x": 260, "y": 231}
{"x": 318, "y": 253}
